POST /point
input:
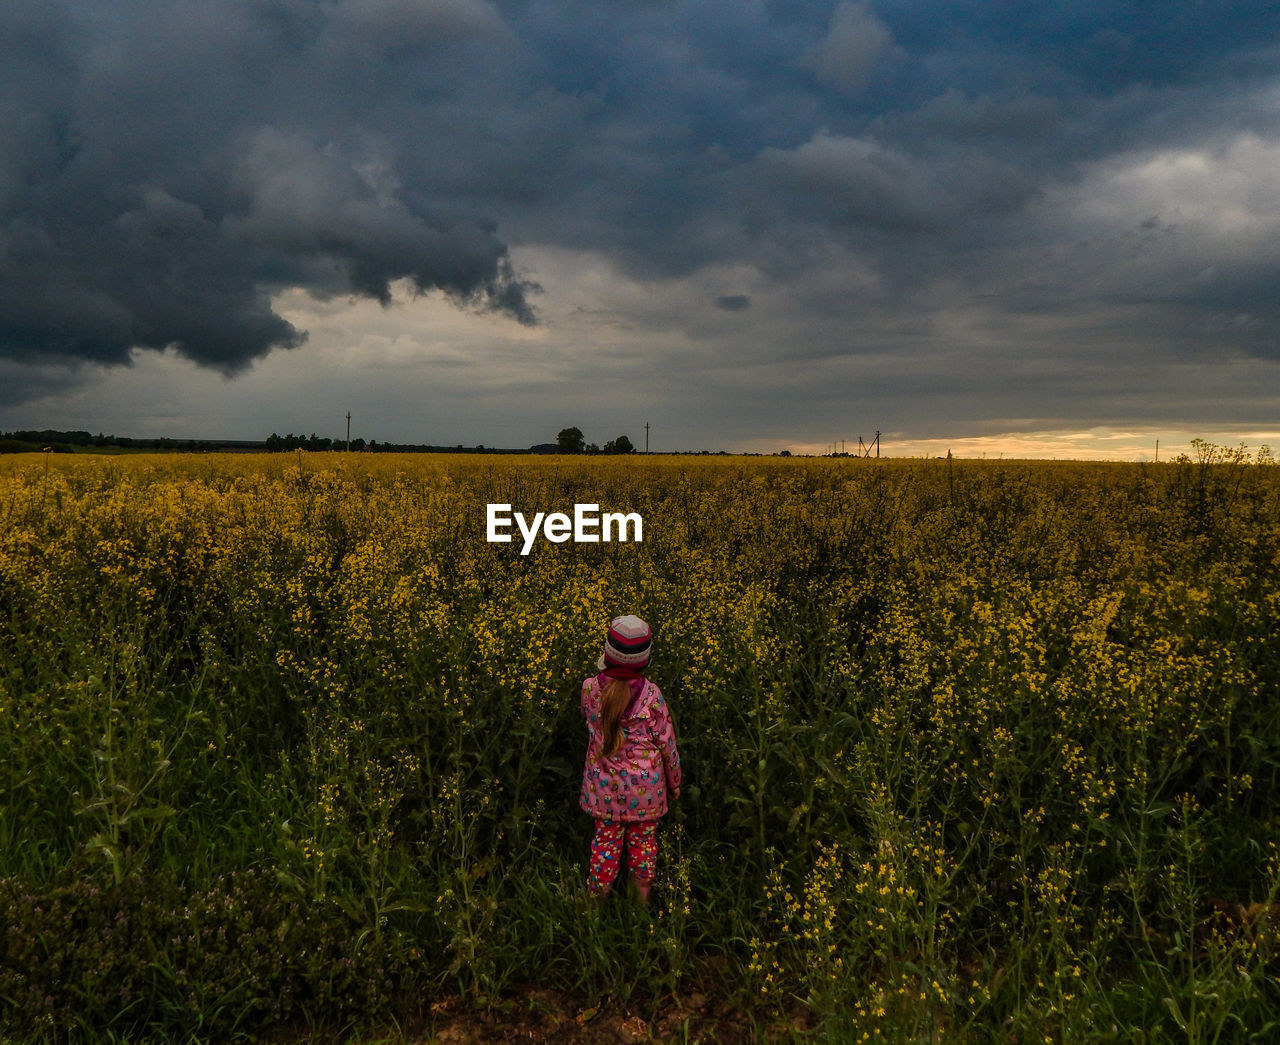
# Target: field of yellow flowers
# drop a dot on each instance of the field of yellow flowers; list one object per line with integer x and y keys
{"x": 974, "y": 750}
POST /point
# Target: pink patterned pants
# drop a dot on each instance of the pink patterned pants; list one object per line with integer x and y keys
{"x": 641, "y": 843}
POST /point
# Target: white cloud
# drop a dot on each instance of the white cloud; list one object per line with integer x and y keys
{"x": 1223, "y": 192}
{"x": 848, "y": 55}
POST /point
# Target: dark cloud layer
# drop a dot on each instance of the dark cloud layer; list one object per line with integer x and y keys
{"x": 900, "y": 172}
{"x": 168, "y": 165}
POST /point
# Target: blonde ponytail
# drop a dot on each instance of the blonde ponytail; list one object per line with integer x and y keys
{"x": 613, "y": 702}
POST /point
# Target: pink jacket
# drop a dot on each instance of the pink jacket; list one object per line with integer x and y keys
{"x": 633, "y": 783}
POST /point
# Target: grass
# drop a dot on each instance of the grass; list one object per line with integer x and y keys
{"x": 974, "y": 750}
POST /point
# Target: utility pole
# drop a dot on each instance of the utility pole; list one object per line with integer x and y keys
{"x": 348, "y": 431}
{"x": 646, "y": 437}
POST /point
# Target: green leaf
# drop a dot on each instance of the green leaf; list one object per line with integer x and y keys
{"x": 156, "y": 812}
{"x": 101, "y": 844}
{"x": 1172, "y": 1006}
{"x": 406, "y": 905}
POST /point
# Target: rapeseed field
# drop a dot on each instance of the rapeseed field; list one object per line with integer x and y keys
{"x": 974, "y": 751}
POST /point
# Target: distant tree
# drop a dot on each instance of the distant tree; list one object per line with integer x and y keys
{"x": 621, "y": 445}
{"x": 570, "y": 441}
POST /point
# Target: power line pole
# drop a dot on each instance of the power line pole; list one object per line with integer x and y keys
{"x": 646, "y": 437}
{"x": 348, "y": 431}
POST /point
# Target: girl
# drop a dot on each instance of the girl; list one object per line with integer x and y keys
{"x": 632, "y": 762}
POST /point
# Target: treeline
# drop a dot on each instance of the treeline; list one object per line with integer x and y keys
{"x": 279, "y": 443}
{"x": 569, "y": 440}
{"x": 572, "y": 441}
{"x": 25, "y": 441}
{"x": 32, "y": 441}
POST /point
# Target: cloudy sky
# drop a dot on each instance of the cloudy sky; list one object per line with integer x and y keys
{"x": 991, "y": 225}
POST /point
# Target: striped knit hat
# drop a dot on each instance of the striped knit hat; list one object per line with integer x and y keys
{"x": 626, "y": 645}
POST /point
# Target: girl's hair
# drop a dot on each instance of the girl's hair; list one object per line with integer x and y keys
{"x": 613, "y": 702}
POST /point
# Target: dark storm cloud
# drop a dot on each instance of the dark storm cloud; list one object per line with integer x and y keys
{"x": 169, "y": 165}
{"x": 889, "y": 168}
{"x": 920, "y": 138}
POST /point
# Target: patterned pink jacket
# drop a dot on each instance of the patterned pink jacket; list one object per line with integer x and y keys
{"x": 633, "y": 783}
